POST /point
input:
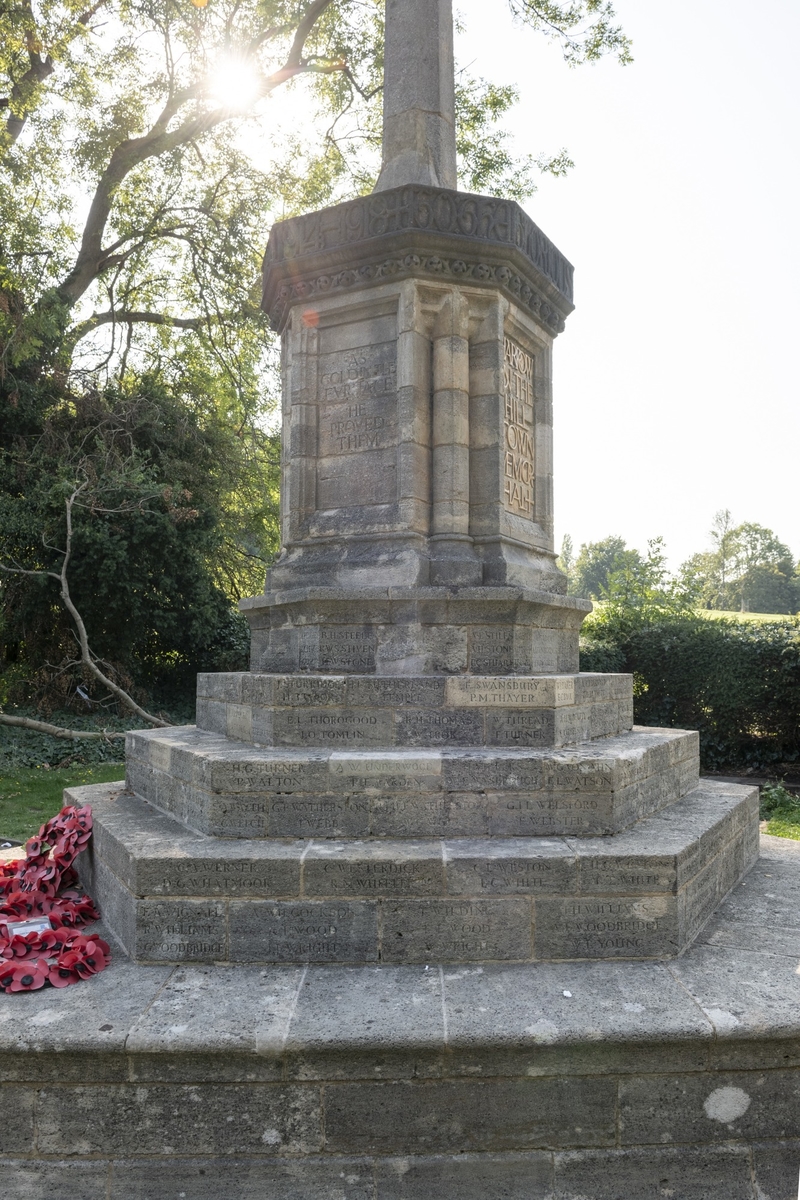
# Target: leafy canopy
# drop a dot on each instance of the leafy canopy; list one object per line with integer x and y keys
{"x": 144, "y": 154}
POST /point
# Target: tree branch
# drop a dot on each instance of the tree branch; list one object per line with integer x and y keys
{"x": 86, "y": 654}
{"x": 130, "y": 318}
{"x": 57, "y": 730}
{"x": 87, "y": 658}
{"x": 36, "y": 73}
{"x": 313, "y": 13}
{"x": 92, "y": 259}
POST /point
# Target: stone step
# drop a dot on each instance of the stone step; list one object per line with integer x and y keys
{"x": 223, "y": 788}
{"x": 360, "y": 711}
{"x": 172, "y": 895}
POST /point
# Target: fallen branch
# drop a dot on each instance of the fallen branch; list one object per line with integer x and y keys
{"x": 87, "y": 658}
{"x": 57, "y": 730}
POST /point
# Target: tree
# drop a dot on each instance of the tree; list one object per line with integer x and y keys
{"x": 133, "y": 214}
{"x": 566, "y": 559}
{"x": 597, "y": 562}
{"x": 748, "y": 568}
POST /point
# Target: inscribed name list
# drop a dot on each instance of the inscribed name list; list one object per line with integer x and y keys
{"x": 518, "y": 470}
{"x": 358, "y": 426}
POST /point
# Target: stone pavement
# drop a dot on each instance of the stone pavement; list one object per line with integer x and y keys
{"x": 547, "y": 1081}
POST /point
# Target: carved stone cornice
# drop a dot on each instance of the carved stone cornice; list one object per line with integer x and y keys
{"x": 420, "y": 232}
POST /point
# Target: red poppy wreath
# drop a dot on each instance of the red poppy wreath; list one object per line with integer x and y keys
{"x": 41, "y": 909}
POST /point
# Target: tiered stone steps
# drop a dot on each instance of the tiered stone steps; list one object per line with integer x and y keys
{"x": 221, "y": 850}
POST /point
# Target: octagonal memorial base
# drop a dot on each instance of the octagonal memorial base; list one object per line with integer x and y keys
{"x": 172, "y": 894}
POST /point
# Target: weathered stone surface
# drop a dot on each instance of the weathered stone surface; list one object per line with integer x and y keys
{"x": 482, "y": 1080}
{"x": 307, "y": 1178}
{"x": 219, "y": 1011}
{"x": 594, "y": 927}
{"x": 175, "y": 896}
{"x": 456, "y": 930}
{"x": 368, "y": 711}
{"x": 180, "y": 931}
{"x": 309, "y": 931}
{"x": 594, "y": 788}
{"x": 392, "y": 1118}
{"x": 378, "y": 1022}
{"x": 435, "y": 218}
{"x": 370, "y": 869}
{"x": 744, "y": 991}
{"x": 16, "y": 1120}
{"x": 467, "y": 1176}
{"x": 716, "y": 1107}
{"x": 171, "y": 1120}
{"x": 775, "y": 1166}
{"x": 420, "y": 631}
{"x": 510, "y": 866}
{"x": 687, "y": 1173}
{"x": 26, "y": 1180}
{"x": 419, "y": 137}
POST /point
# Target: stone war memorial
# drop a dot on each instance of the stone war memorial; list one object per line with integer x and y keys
{"x": 414, "y": 910}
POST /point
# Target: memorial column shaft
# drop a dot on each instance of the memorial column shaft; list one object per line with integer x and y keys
{"x": 419, "y": 139}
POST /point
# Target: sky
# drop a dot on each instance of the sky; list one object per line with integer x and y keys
{"x": 676, "y": 381}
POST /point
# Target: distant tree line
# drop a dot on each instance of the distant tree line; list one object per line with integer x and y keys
{"x": 747, "y": 568}
{"x": 735, "y": 680}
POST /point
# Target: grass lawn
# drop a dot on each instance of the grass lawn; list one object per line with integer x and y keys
{"x": 29, "y": 796}
{"x": 785, "y": 823}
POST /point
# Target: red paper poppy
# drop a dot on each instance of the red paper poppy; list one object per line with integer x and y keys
{"x": 62, "y": 975}
{"x": 23, "y": 945}
{"x": 28, "y": 976}
{"x": 90, "y": 956}
{"x": 53, "y": 941}
{"x": 44, "y": 883}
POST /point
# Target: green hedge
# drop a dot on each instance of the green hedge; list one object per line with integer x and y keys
{"x": 736, "y": 682}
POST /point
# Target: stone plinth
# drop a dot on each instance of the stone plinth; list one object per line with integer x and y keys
{"x": 173, "y": 895}
{"x": 361, "y": 711}
{"x": 520, "y": 1081}
{"x": 414, "y": 631}
{"x": 417, "y": 328}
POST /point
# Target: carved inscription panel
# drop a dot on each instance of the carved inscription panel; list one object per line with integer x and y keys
{"x": 518, "y": 430}
{"x": 357, "y": 426}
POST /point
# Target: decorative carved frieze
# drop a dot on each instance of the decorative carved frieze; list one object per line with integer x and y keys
{"x": 535, "y": 274}
{"x": 305, "y": 287}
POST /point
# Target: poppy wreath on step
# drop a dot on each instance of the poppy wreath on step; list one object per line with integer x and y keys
{"x": 43, "y": 885}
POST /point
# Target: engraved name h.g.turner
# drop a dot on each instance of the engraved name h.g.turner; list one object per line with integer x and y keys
{"x": 518, "y": 459}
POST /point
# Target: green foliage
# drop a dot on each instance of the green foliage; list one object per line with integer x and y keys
{"x": 738, "y": 683}
{"x": 486, "y": 163}
{"x": 786, "y": 824}
{"x": 595, "y": 564}
{"x": 776, "y": 798}
{"x": 781, "y": 809}
{"x": 584, "y": 29}
{"x": 155, "y": 475}
{"x": 748, "y": 568}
